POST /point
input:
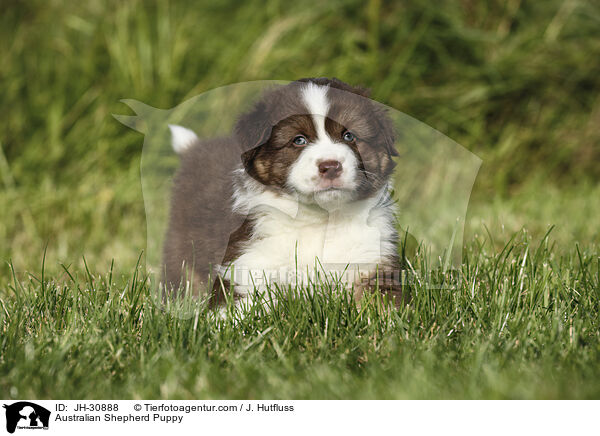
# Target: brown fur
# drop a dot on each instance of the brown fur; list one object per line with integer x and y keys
{"x": 201, "y": 221}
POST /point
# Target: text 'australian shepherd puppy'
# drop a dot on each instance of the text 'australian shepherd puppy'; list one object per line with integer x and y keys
{"x": 299, "y": 193}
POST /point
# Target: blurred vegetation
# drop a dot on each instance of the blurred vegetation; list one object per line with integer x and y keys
{"x": 516, "y": 82}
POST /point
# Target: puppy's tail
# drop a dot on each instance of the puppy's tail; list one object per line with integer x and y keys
{"x": 182, "y": 138}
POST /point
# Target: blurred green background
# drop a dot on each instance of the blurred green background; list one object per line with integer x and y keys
{"x": 516, "y": 82}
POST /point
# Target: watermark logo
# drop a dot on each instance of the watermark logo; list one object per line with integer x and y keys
{"x": 24, "y": 415}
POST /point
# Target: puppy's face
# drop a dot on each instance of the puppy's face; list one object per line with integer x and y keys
{"x": 320, "y": 139}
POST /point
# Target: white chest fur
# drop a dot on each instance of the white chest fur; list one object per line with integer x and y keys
{"x": 291, "y": 240}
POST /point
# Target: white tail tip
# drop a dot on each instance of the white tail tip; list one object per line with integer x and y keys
{"x": 181, "y": 138}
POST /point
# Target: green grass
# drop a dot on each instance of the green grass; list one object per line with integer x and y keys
{"x": 522, "y": 323}
{"x": 515, "y": 82}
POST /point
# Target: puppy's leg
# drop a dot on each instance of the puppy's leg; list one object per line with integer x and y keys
{"x": 243, "y": 298}
{"x": 388, "y": 281}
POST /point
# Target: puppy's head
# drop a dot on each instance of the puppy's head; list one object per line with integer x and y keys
{"x": 319, "y": 138}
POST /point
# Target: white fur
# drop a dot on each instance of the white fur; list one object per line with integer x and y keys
{"x": 287, "y": 247}
{"x": 315, "y": 98}
{"x": 181, "y": 138}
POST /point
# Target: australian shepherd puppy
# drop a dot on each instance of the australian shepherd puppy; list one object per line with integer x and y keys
{"x": 301, "y": 187}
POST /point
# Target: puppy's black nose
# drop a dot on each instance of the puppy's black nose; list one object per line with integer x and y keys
{"x": 330, "y": 169}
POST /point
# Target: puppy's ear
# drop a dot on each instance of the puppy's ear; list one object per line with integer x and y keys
{"x": 253, "y": 128}
{"x": 248, "y": 159}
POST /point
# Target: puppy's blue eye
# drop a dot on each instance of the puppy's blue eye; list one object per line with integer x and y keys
{"x": 300, "y": 140}
{"x": 348, "y": 136}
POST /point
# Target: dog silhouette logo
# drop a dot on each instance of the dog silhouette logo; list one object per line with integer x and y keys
{"x": 26, "y": 415}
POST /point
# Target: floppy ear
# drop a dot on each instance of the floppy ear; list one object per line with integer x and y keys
{"x": 253, "y": 128}
{"x": 248, "y": 159}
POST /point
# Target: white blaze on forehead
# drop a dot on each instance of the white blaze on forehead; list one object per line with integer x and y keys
{"x": 315, "y": 98}
{"x": 181, "y": 138}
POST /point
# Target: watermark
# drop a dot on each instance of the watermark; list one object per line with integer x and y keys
{"x": 265, "y": 417}
{"x": 24, "y": 415}
{"x": 199, "y": 148}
